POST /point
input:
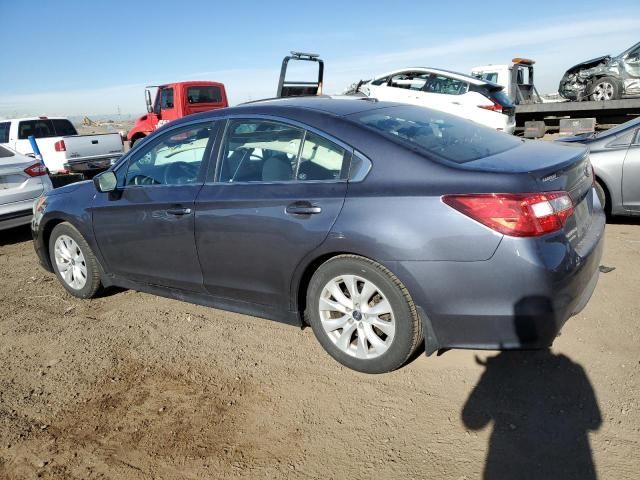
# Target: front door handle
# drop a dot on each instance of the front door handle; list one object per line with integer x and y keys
{"x": 178, "y": 211}
{"x": 303, "y": 208}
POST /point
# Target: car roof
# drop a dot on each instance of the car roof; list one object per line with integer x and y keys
{"x": 448, "y": 73}
{"x": 333, "y": 106}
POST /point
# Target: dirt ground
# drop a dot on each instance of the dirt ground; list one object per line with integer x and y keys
{"x": 132, "y": 386}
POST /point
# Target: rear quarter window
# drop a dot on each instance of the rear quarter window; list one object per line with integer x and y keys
{"x": 445, "y": 136}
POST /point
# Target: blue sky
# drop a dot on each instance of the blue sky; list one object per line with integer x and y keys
{"x": 86, "y": 57}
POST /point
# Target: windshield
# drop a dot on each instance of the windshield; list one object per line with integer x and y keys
{"x": 449, "y": 137}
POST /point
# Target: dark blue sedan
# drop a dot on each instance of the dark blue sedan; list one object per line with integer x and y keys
{"x": 383, "y": 226}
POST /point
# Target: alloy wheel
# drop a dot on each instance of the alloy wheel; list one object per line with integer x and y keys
{"x": 603, "y": 91}
{"x": 356, "y": 316}
{"x": 70, "y": 262}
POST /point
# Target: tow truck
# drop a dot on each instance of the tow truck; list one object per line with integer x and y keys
{"x": 537, "y": 114}
{"x": 177, "y": 100}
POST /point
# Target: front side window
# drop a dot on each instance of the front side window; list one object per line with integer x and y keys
{"x": 409, "y": 80}
{"x": 204, "y": 94}
{"x": 166, "y": 100}
{"x": 259, "y": 151}
{"x": 4, "y": 132}
{"x": 174, "y": 159}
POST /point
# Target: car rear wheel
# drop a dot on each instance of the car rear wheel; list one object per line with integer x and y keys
{"x": 362, "y": 314}
{"x": 606, "y": 88}
{"x": 73, "y": 261}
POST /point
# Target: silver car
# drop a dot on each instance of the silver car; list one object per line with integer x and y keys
{"x": 615, "y": 155}
{"x": 22, "y": 180}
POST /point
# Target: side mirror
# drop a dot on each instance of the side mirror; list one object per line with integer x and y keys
{"x": 147, "y": 98}
{"x": 106, "y": 181}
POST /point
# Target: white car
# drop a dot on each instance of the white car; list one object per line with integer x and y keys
{"x": 22, "y": 180}
{"x": 462, "y": 95}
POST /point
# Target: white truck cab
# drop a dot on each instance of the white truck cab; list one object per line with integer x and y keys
{"x": 516, "y": 78}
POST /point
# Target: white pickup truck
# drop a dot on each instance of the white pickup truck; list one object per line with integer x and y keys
{"x": 62, "y": 149}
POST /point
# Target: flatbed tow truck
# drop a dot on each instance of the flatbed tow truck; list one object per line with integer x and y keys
{"x": 517, "y": 78}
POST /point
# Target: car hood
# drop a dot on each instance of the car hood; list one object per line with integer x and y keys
{"x": 589, "y": 63}
{"x": 72, "y": 187}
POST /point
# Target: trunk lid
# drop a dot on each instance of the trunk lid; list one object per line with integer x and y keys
{"x": 553, "y": 167}
{"x": 15, "y": 184}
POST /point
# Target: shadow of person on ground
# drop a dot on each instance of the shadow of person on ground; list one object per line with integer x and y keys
{"x": 542, "y": 406}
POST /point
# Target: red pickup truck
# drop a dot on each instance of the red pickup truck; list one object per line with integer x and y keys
{"x": 177, "y": 100}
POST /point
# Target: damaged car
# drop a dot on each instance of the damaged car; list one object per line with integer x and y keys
{"x": 604, "y": 78}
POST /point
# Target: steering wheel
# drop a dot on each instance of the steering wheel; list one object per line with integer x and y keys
{"x": 179, "y": 173}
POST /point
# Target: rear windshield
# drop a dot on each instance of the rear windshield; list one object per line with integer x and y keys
{"x": 446, "y": 136}
{"x": 204, "y": 94}
{"x": 43, "y": 128}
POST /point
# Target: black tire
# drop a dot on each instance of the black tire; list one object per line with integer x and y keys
{"x": 603, "y": 196}
{"x": 133, "y": 141}
{"x": 612, "y": 87}
{"x": 92, "y": 285}
{"x": 408, "y": 327}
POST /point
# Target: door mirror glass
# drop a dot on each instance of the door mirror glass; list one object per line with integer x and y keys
{"x": 106, "y": 181}
{"x": 147, "y": 97}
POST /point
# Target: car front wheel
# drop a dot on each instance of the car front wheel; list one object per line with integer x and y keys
{"x": 73, "y": 261}
{"x": 362, "y": 314}
{"x": 606, "y": 88}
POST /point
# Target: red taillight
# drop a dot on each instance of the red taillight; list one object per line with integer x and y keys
{"x": 36, "y": 170}
{"x": 494, "y": 107}
{"x": 518, "y": 215}
{"x": 60, "y": 146}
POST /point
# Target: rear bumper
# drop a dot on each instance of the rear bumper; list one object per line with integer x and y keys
{"x": 92, "y": 164}
{"x": 518, "y": 299}
{"x": 15, "y": 219}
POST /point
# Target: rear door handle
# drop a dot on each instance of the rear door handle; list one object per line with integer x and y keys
{"x": 178, "y": 211}
{"x": 303, "y": 208}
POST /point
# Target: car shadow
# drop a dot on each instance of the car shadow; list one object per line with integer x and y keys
{"x": 542, "y": 407}
{"x": 623, "y": 220}
{"x": 15, "y": 235}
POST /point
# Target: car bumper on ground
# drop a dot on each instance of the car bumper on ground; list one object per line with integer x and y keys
{"x": 518, "y": 299}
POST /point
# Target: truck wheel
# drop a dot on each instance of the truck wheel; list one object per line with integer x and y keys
{"x": 134, "y": 140}
{"x": 606, "y": 88}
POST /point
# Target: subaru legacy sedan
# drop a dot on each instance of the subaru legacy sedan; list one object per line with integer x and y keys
{"x": 382, "y": 226}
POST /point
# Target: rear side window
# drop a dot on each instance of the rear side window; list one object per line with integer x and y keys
{"x": 445, "y": 85}
{"x": 4, "y": 132}
{"x": 63, "y": 127}
{"x": 623, "y": 140}
{"x": 204, "y": 94}
{"x": 437, "y": 133}
{"x": 260, "y": 151}
{"x": 267, "y": 151}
